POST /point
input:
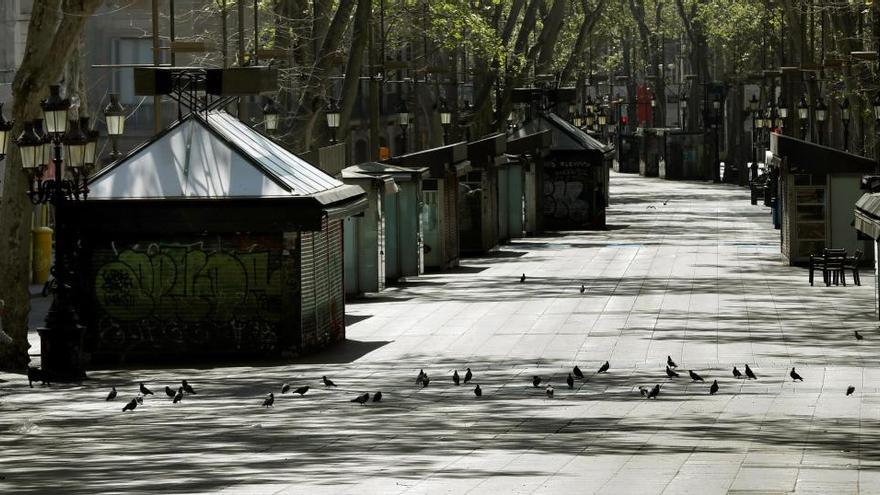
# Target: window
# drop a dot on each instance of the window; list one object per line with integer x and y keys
{"x": 130, "y": 51}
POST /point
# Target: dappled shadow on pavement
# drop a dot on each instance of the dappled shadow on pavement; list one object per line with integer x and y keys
{"x": 222, "y": 436}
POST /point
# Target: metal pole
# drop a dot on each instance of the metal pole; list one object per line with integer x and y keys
{"x": 224, "y": 33}
{"x": 157, "y": 100}
{"x": 241, "y": 103}
{"x": 256, "y": 30}
{"x": 171, "y": 31}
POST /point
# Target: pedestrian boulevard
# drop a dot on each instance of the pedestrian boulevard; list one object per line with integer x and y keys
{"x": 687, "y": 270}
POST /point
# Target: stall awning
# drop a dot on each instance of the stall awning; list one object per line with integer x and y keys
{"x": 867, "y": 215}
{"x": 439, "y": 161}
{"x": 804, "y": 157}
{"x": 400, "y": 174}
{"x": 213, "y": 157}
{"x": 565, "y": 137}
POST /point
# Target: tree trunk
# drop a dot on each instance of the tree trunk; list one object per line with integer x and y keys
{"x": 53, "y": 32}
{"x": 352, "y": 83}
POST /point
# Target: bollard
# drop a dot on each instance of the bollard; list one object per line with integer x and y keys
{"x": 42, "y": 255}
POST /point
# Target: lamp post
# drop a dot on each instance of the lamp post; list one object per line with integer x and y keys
{"x": 271, "y": 114}
{"x": 602, "y": 120}
{"x": 845, "y": 117}
{"x": 753, "y": 109}
{"x": 803, "y": 116}
{"x": 716, "y": 120}
{"x": 114, "y": 116}
{"x": 683, "y": 104}
{"x": 782, "y": 113}
{"x": 5, "y": 130}
{"x": 332, "y": 115}
{"x": 403, "y": 121}
{"x": 877, "y": 130}
{"x": 821, "y": 115}
{"x": 446, "y": 120}
{"x": 73, "y": 148}
{"x": 653, "y": 111}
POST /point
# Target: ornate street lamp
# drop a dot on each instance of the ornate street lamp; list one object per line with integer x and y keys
{"x": 781, "y": 108}
{"x": 55, "y": 111}
{"x": 91, "y": 142}
{"x": 446, "y": 119}
{"x": 753, "y": 103}
{"x": 30, "y": 146}
{"x": 5, "y": 131}
{"x": 845, "y": 116}
{"x": 75, "y": 144}
{"x": 403, "y": 122}
{"x": 332, "y": 115}
{"x": 803, "y": 115}
{"x": 271, "y": 113}
{"x": 821, "y": 115}
{"x": 114, "y": 115}
{"x": 590, "y": 106}
{"x": 73, "y": 148}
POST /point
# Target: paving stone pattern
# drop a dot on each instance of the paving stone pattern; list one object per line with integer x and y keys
{"x": 699, "y": 278}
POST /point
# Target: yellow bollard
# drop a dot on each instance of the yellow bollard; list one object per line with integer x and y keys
{"x": 42, "y": 246}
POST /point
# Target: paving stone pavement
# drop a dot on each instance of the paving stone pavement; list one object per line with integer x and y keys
{"x": 686, "y": 269}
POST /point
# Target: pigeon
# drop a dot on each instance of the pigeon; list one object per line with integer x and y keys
{"x": 750, "y": 373}
{"x": 670, "y": 373}
{"x": 187, "y": 388}
{"x": 478, "y": 391}
{"x": 736, "y": 373}
{"x": 178, "y": 396}
{"x": 169, "y": 392}
{"x": 583, "y": 288}
{"x": 455, "y": 378}
{"x": 549, "y": 391}
{"x": 713, "y": 388}
{"x": 425, "y": 381}
{"x": 654, "y": 392}
{"x": 694, "y": 376}
{"x": 377, "y": 397}
{"x": 421, "y": 377}
{"x": 302, "y": 390}
{"x": 651, "y": 206}
{"x": 794, "y": 376}
{"x": 570, "y": 381}
{"x": 111, "y": 395}
{"x": 145, "y": 390}
{"x": 577, "y": 372}
{"x": 670, "y": 362}
{"x": 858, "y": 335}
{"x": 133, "y": 403}
{"x": 361, "y": 399}
{"x": 468, "y": 376}
{"x": 139, "y": 399}
{"x": 604, "y": 368}
{"x": 850, "y": 390}
{"x": 285, "y": 388}
{"x": 536, "y": 380}
{"x": 665, "y": 201}
{"x": 643, "y": 390}
{"x": 523, "y": 278}
{"x": 269, "y": 401}
{"x": 329, "y": 383}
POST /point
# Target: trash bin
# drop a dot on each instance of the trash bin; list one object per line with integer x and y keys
{"x": 42, "y": 238}
{"x": 774, "y": 212}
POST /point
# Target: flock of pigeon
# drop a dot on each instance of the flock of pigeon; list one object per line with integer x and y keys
{"x": 423, "y": 380}
{"x": 176, "y": 397}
